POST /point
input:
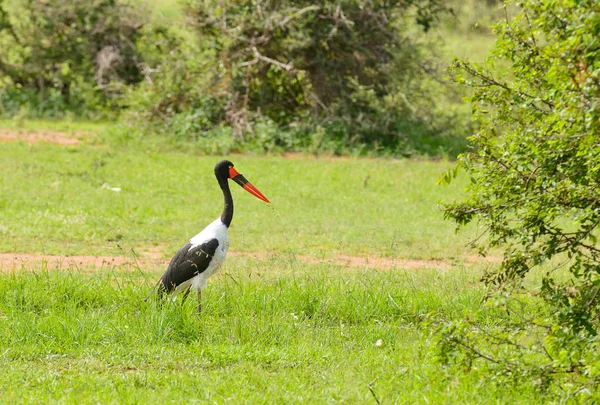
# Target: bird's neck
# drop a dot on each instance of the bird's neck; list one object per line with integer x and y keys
{"x": 227, "y": 214}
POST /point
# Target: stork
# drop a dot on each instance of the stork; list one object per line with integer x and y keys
{"x": 203, "y": 255}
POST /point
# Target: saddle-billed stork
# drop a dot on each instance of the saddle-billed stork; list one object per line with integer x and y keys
{"x": 204, "y": 254}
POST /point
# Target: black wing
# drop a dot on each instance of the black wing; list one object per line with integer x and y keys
{"x": 188, "y": 263}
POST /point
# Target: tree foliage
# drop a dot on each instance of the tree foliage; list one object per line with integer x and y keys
{"x": 81, "y": 51}
{"x": 348, "y": 72}
{"x": 293, "y": 58}
{"x": 535, "y": 178}
{"x": 344, "y": 76}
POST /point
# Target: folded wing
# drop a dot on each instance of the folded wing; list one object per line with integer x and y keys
{"x": 188, "y": 263}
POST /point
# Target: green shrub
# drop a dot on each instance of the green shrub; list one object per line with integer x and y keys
{"x": 534, "y": 188}
{"x": 339, "y": 76}
{"x": 59, "y": 56}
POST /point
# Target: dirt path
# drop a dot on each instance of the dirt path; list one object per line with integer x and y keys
{"x": 18, "y": 261}
{"x": 380, "y": 263}
{"x": 153, "y": 258}
{"x": 61, "y": 138}
{"x": 372, "y": 262}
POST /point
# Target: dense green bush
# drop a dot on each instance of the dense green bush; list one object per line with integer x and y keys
{"x": 534, "y": 188}
{"x": 60, "y": 56}
{"x": 341, "y": 76}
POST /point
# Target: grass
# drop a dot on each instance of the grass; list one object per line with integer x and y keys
{"x": 273, "y": 329}
{"x": 319, "y": 207}
{"x": 68, "y": 126}
{"x": 169, "y": 11}
{"x": 302, "y": 335}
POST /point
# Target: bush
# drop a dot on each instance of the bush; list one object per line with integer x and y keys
{"x": 347, "y": 75}
{"x": 534, "y": 187}
{"x": 75, "y": 55}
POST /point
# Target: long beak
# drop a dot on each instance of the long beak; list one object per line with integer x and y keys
{"x": 246, "y": 185}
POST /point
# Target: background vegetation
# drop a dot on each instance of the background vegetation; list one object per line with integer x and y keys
{"x": 343, "y": 77}
{"x": 75, "y": 56}
{"x": 534, "y": 181}
{"x": 290, "y": 320}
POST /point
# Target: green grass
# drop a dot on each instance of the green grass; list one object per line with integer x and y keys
{"x": 54, "y": 125}
{"x": 165, "y": 11}
{"x": 273, "y": 329}
{"x": 52, "y": 200}
{"x": 301, "y": 335}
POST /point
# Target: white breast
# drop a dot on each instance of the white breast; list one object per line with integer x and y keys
{"x": 216, "y": 230}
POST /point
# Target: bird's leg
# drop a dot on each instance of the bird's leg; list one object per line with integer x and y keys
{"x": 185, "y": 295}
{"x": 199, "y": 301}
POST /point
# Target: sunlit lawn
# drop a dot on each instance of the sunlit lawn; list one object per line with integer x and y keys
{"x": 273, "y": 329}
{"x": 55, "y": 199}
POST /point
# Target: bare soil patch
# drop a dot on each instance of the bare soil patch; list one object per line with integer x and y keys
{"x": 380, "y": 263}
{"x": 154, "y": 258}
{"x": 368, "y": 262}
{"x": 383, "y": 263}
{"x": 18, "y": 261}
{"x": 60, "y": 138}
{"x": 489, "y": 258}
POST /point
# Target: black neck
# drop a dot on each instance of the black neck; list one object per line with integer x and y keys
{"x": 227, "y": 214}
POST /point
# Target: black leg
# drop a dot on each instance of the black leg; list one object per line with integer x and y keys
{"x": 185, "y": 295}
{"x": 199, "y": 301}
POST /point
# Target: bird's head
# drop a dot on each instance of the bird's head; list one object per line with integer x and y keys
{"x": 225, "y": 170}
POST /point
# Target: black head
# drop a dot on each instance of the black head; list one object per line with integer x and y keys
{"x": 222, "y": 169}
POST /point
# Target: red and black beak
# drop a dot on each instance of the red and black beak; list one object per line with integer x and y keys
{"x": 246, "y": 185}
